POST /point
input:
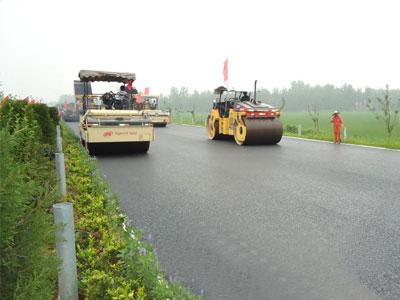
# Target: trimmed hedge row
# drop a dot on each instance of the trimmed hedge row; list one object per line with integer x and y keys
{"x": 28, "y": 264}
{"x": 113, "y": 261}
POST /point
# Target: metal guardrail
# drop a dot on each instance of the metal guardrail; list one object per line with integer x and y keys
{"x": 65, "y": 232}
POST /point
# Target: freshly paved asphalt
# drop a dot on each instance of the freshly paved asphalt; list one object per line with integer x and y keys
{"x": 300, "y": 220}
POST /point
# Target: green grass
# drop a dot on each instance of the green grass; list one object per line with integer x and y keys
{"x": 186, "y": 118}
{"x": 362, "y": 127}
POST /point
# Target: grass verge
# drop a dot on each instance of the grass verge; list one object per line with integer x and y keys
{"x": 362, "y": 128}
{"x": 113, "y": 261}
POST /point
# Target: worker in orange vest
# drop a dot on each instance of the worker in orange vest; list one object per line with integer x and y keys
{"x": 337, "y": 123}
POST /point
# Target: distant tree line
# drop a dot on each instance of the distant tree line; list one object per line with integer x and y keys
{"x": 298, "y": 97}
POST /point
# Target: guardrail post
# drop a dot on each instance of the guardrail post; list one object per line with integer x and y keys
{"x": 65, "y": 237}
{"x": 299, "y": 130}
{"x": 59, "y": 144}
{"x": 60, "y": 167}
{"x": 344, "y": 133}
{"x": 58, "y": 131}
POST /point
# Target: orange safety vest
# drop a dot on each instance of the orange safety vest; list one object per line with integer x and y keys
{"x": 337, "y": 121}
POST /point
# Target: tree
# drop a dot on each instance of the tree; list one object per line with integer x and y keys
{"x": 283, "y": 103}
{"x": 1, "y": 91}
{"x": 387, "y": 110}
{"x": 314, "y": 114}
{"x": 192, "y": 104}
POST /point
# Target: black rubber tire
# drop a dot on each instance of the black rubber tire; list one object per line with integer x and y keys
{"x": 160, "y": 124}
{"x": 91, "y": 149}
{"x": 141, "y": 147}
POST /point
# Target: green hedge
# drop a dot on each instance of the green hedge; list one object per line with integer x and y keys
{"x": 28, "y": 266}
{"x": 113, "y": 263}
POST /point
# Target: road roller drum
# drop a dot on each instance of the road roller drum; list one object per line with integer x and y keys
{"x": 259, "y": 132}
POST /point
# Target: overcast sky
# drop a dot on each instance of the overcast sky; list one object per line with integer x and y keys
{"x": 44, "y": 43}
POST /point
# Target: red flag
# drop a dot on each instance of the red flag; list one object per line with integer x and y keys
{"x": 139, "y": 98}
{"x": 146, "y": 91}
{"x": 130, "y": 85}
{"x": 65, "y": 105}
{"x": 225, "y": 72}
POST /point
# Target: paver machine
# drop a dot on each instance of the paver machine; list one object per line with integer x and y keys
{"x": 108, "y": 121}
{"x": 69, "y": 112}
{"x": 149, "y": 106}
{"x": 249, "y": 121}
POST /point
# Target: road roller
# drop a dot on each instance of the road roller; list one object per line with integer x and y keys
{"x": 108, "y": 121}
{"x": 239, "y": 114}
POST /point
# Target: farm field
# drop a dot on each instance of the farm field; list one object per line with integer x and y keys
{"x": 362, "y": 127}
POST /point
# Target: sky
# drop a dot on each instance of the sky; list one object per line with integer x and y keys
{"x": 44, "y": 43}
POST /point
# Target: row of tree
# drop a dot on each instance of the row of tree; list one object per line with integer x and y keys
{"x": 298, "y": 97}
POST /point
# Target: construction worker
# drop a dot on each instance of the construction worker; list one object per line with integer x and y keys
{"x": 245, "y": 97}
{"x": 337, "y": 123}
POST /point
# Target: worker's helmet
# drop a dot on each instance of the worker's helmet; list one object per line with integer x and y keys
{"x": 335, "y": 112}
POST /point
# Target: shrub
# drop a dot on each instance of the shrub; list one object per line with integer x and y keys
{"x": 291, "y": 128}
{"x": 10, "y": 112}
{"x": 46, "y": 124}
{"x": 28, "y": 265}
{"x": 53, "y": 112}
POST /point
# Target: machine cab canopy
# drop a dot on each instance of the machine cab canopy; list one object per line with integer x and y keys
{"x": 89, "y": 75}
{"x": 220, "y": 90}
{"x": 229, "y": 95}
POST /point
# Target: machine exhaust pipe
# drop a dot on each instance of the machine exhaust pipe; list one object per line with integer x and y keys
{"x": 255, "y": 92}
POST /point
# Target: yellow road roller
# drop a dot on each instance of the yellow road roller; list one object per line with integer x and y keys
{"x": 239, "y": 114}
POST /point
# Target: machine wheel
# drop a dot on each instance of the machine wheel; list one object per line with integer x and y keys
{"x": 140, "y": 147}
{"x": 90, "y": 147}
{"x": 212, "y": 127}
{"x": 82, "y": 140}
{"x": 240, "y": 134}
{"x": 258, "y": 132}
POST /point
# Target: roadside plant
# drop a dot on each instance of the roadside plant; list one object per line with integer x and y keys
{"x": 387, "y": 110}
{"x": 313, "y": 112}
{"x": 28, "y": 265}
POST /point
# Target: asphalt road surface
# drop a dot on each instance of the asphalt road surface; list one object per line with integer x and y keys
{"x": 300, "y": 220}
